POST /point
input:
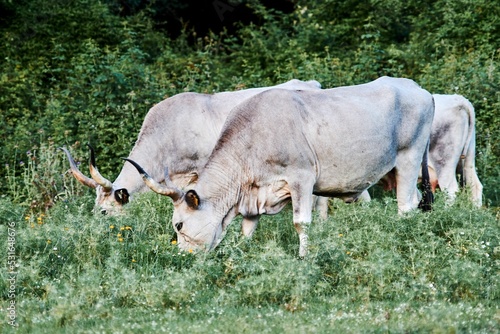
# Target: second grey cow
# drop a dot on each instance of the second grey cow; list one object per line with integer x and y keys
{"x": 452, "y": 150}
{"x": 179, "y": 132}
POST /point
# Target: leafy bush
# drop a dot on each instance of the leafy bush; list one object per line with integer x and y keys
{"x": 78, "y": 82}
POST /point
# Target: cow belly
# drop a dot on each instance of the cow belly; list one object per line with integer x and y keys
{"x": 345, "y": 196}
{"x": 346, "y": 190}
{"x": 352, "y": 174}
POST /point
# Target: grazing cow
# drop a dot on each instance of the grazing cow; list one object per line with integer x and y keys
{"x": 452, "y": 149}
{"x": 181, "y": 131}
{"x": 283, "y": 145}
{"x": 453, "y": 146}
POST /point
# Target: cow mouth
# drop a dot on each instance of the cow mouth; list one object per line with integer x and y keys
{"x": 187, "y": 243}
{"x": 191, "y": 244}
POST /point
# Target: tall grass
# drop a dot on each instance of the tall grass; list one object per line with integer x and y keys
{"x": 368, "y": 270}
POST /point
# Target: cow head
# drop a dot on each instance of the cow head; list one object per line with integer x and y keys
{"x": 195, "y": 221}
{"x": 108, "y": 200}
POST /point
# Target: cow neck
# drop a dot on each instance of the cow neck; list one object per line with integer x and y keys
{"x": 220, "y": 184}
{"x": 131, "y": 180}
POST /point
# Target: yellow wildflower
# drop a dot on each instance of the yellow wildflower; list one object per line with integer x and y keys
{"x": 27, "y": 218}
{"x": 128, "y": 228}
{"x": 111, "y": 226}
{"x": 133, "y": 260}
{"x": 190, "y": 250}
{"x": 119, "y": 235}
{"x": 48, "y": 241}
{"x": 122, "y": 228}
{"x": 120, "y": 239}
{"x": 174, "y": 242}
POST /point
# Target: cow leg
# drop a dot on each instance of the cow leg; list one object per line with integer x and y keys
{"x": 364, "y": 197}
{"x": 302, "y": 200}
{"x": 471, "y": 178}
{"x": 301, "y": 229}
{"x": 433, "y": 179}
{"x": 407, "y": 194}
{"x": 443, "y": 158}
{"x": 476, "y": 188}
{"x": 248, "y": 225}
{"x": 321, "y": 205}
{"x": 448, "y": 181}
{"x": 444, "y": 170}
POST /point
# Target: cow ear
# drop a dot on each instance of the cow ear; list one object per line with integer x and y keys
{"x": 192, "y": 199}
{"x": 122, "y": 196}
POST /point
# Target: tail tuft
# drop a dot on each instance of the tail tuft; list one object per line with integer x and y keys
{"x": 427, "y": 195}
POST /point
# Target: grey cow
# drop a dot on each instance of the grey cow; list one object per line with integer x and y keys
{"x": 452, "y": 148}
{"x": 180, "y": 131}
{"x": 453, "y": 145}
{"x": 286, "y": 145}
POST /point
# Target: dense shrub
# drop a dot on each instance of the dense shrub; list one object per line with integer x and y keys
{"x": 85, "y": 73}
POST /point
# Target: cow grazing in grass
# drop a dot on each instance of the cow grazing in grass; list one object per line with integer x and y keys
{"x": 180, "y": 131}
{"x": 453, "y": 146}
{"x": 452, "y": 149}
{"x": 283, "y": 145}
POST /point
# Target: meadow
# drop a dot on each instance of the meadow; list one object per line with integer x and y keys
{"x": 368, "y": 270}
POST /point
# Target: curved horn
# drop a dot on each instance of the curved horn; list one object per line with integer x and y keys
{"x": 169, "y": 189}
{"x": 94, "y": 172}
{"x": 86, "y": 181}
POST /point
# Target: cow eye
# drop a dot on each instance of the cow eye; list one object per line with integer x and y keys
{"x": 178, "y": 226}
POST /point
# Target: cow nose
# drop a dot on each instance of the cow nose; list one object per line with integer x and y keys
{"x": 178, "y": 227}
{"x": 104, "y": 211}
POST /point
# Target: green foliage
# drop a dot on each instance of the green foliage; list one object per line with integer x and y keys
{"x": 36, "y": 179}
{"x": 368, "y": 270}
{"x": 455, "y": 26}
{"x": 86, "y": 74}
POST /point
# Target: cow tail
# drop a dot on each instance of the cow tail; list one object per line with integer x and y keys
{"x": 427, "y": 195}
{"x": 469, "y": 108}
{"x": 461, "y": 173}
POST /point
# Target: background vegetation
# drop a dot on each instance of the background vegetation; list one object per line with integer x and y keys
{"x": 88, "y": 71}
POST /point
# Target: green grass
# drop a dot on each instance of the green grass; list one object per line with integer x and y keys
{"x": 368, "y": 271}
